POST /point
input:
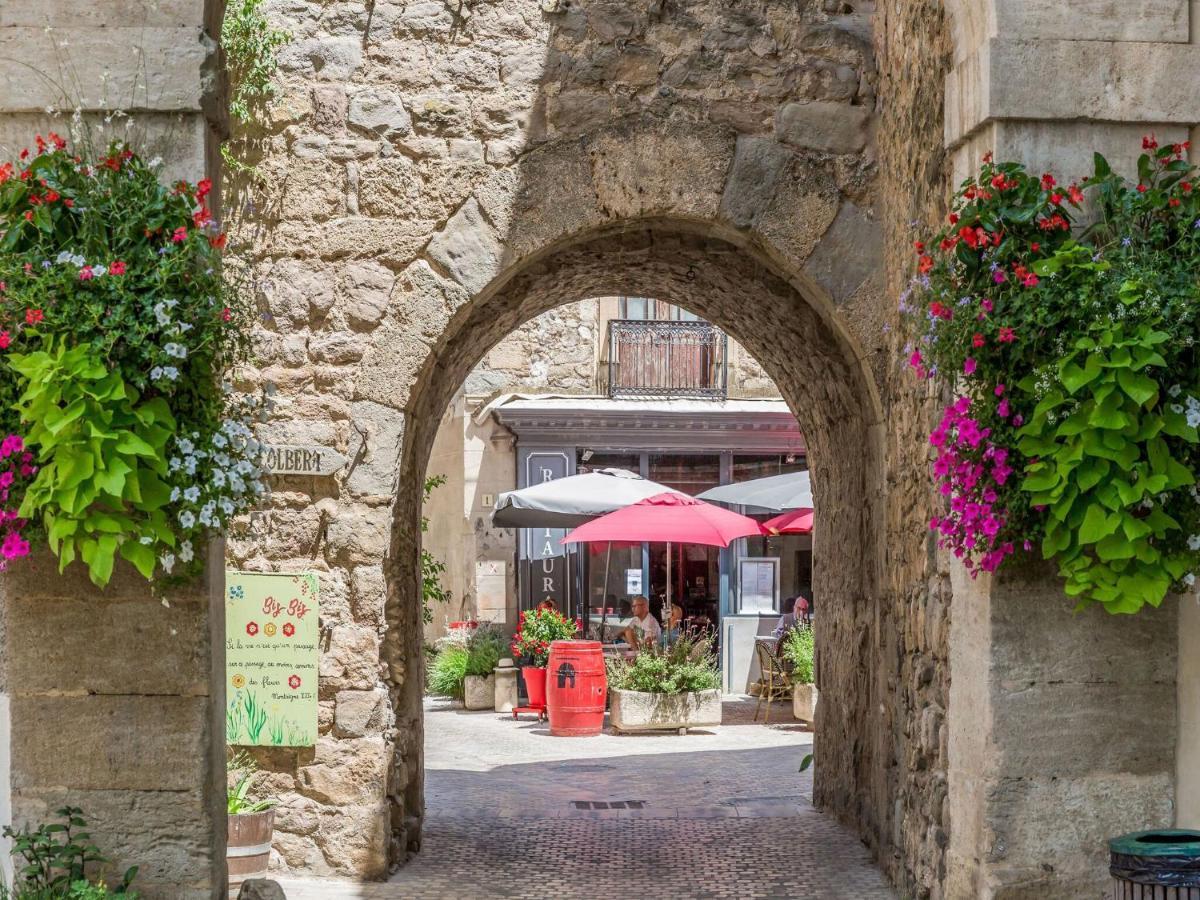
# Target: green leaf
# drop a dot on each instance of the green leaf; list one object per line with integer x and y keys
{"x": 141, "y": 555}
{"x": 1139, "y": 387}
{"x": 1097, "y": 524}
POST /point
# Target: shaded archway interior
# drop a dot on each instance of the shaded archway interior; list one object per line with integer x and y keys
{"x": 813, "y": 368}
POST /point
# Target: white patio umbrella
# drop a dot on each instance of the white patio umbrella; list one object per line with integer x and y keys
{"x": 570, "y": 502}
{"x": 776, "y": 493}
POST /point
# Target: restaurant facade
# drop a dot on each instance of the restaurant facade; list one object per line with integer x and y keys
{"x": 670, "y": 398}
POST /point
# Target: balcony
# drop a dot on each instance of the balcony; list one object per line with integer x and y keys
{"x": 666, "y": 359}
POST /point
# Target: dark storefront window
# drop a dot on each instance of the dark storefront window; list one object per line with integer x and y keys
{"x": 747, "y": 467}
{"x": 591, "y": 461}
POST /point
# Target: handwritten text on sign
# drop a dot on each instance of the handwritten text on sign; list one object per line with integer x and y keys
{"x": 271, "y": 659}
{"x": 295, "y": 459}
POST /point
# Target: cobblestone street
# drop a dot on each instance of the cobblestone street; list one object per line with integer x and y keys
{"x": 516, "y": 813}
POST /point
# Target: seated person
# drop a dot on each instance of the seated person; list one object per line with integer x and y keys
{"x": 672, "y": 633}
{"x": 788, "y": 620}
{"x": 643, "y": 629}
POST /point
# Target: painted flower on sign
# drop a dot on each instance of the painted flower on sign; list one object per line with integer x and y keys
{"x": 294, "y": 682}
{"x": 252, "y": 628}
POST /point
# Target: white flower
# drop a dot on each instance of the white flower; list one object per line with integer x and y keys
{"x": 218, "y": 440}
{"x": 168, "y": 562}
{"x": 1193, "y": 417}
{"x": 221, "y": 459}
{"x": 175, "y": 495}
{"x": 64, "y": 256}
{"x": 78, "y": 261}
{"x": 1174, "y": 390}
{"x": 227, "y": 506}
{"x": 1176, "y": 408}
{"x": 187, "y": 519}
{"x": 156, "y": 373}
{"x": 175, "y": 463}
{"x": 170, "y": 373}
{"x": 156, "y": 162}
{"x": 236, "y": 484}
{"x": 206, "y": 514}
{"x": 189, "y": 465}
{"x": 218, "y": 478}
{"x": 185, "y": 551}
{"x": 177, "y": 350}
{"x": 1194, "y": 542}
{"x": 186, "y": 447}
{"x": 243, "y": 467}
{"x": 192, "y": 494}
{"x": 1189, "y": 579}
{"x": 99, "y": 270}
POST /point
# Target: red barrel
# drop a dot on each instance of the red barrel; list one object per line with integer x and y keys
{"x": 576, "y": 686}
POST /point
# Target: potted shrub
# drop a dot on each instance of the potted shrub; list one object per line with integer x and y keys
{"x": 537, "y": 629}
{"x": 484, "y": 649}
{"x": 798, "y": 650}
{"x": 251, "y": 825}
{"x": 676, "y": 687}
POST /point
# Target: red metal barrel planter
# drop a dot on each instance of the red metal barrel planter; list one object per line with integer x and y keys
{"x": 576, "y": 687}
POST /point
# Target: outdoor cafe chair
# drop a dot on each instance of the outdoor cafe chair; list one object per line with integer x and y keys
{"x": 775, "y": 682}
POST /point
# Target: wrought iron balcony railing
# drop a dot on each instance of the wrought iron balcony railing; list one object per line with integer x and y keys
{"x": 666, "y": 359}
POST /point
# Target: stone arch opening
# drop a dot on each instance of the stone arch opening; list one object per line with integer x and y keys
{"x": 795, "y": 334}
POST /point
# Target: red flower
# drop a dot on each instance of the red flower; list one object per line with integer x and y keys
{"x": 86, "y": 274}
{"x": 977, "y": 340}
{"x": 24, "y": 154}
{"x": 288, "y": 629}
{"x": 203, "y": 186}
{"x": 252, "y": 628}
{"x": 201, "y": 217}
{"x": 1187, "y": 186}
{"x": 1056, "y": 199}
{"x": 33, "y": 316}
{"x": 68, "y": 203}
{"x": 117, "y": 268}
{"x": 1075, "y": 194}
{"x": 217, "y": 242}
{"x": 59, "y": 143}
{"x": 953, "y": 218}
{"x": 5, "y": 340}
{"x": 1149, "y": 143}
{"x": 1007, "y": 336}
{"x": 918, "y": 246}
{"x": 294, "y": 681}
{"x": 29, "y": 215}
{"x": 226, "y": 315}
{"x": 1048, "y": 181}
{"x": 925, "y": 264}
{"x": 180, "y": 234}
{"x": 987, "y": 157}
{"x": 1174, "y": 201}
{"x": 51, "y": 196}
{"x": 1141, "y": 189}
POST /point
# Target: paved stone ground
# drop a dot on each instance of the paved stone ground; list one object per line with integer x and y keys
{"x": 516, "y": 813}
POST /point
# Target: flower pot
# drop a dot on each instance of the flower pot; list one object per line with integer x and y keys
{"x": 535, "y": 686}
{"x": 638, "y": 711}
{"x": 479, "y": 692}
{"x": 804, "y": 702}
{"x": 248, "y": 848}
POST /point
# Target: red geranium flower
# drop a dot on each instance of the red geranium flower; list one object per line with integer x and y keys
{"x": 33, "y": 316}
{"x": 180, "y": 234}
{"x": 925, "y": 264}
{"x": 203, "y": 186}
{"x": 252, "y": 628}
{"x": 288, "y": 629}
{"x": 117, "y": 268}
{"x": 1007, "y": 335}
{"x": 977, "y": 340}
{"x": 293, "y": 681}
{"x": 5, "y": 340}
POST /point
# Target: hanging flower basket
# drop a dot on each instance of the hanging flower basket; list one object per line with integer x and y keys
{"x": 1069, "y": 343}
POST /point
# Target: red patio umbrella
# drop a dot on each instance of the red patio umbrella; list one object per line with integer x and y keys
{"x": 673, "y": 518}
{"x": 794, "y": 521}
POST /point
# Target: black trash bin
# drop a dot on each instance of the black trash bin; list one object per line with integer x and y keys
{"x": 1156, "y": 865}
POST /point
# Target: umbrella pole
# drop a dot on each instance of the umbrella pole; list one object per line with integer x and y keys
{"x": 604, "y": 598}
{"x": 667, "y": 608}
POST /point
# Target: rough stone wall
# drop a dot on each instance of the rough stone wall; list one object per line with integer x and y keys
{"x": 555, "y": 352}
{"x": 913, "y": 50}
{"x": 421, "y": 157}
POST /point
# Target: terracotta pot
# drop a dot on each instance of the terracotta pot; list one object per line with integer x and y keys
{"x": 249, "y": 846}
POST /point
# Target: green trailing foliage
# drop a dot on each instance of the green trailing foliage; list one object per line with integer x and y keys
{"x": 251, "y": 46}
{"x": 432, "y": 568}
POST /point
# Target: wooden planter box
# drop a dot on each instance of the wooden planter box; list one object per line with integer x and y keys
{"x": 479, "y": 692}
{"x": 804, "y": 702}
{"x": 636, "y": 711}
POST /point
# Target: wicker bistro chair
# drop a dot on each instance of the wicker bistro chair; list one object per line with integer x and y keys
{"x": 775, "y": 681}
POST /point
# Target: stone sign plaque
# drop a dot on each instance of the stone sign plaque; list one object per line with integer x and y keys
{"x": 301, "y": 459}
{"x": 271, "y": 659}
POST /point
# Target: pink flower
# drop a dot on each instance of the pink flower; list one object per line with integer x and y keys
{"x": 999, "y": 390}
{"x": 969, "y": 366}
{"x": 85, "y": 274}
{"x": 1002, "y": 409}
{"x": 14, "y": 546}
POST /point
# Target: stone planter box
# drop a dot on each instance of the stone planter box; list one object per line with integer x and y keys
{"x": 636, "y": 711}
{"x": 479, "y": 692}
{"x": 804, "y": 702}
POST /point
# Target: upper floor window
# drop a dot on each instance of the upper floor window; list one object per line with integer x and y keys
{"x": 647, "y": 309}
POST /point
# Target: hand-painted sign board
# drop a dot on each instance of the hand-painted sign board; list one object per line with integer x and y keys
{"x": 301, "y": 459}
{"x": 271, "y": 659}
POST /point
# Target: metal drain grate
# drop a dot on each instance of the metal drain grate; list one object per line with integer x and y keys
{"x": 609, "y": 804}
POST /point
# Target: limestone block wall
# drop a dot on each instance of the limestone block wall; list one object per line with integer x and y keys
{"x": 115, "y": 709}
{"x": 420, "y": 157}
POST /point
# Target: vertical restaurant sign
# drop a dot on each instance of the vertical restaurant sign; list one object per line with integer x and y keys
{"x": 547, "y": 556}
{"x": 271, "y": 659}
